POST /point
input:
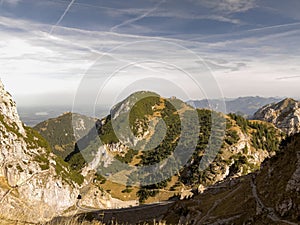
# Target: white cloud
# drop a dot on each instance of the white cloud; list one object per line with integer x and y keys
{"x": 34, "y": 62}
{"x": 14, "y": 48}
{"x": 143, "y": 15}
{"x": 167, "y": 12}
{"x": 263, "y": 77}
{"x": 228, "y": 6}
{"x": 10, "y": 2}
{"x": 192, "y": 15}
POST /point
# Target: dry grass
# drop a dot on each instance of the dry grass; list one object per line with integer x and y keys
{"x": 76, "y": 221}
{"x": 73, "y": 221}
{"x": 68, "y": 221}
{"x": 3, "y": 183}
{"x": 116, "y": 191}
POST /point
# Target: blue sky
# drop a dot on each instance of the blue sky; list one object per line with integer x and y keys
{"x": 249, "y": 47}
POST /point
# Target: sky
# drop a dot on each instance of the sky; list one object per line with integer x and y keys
{"x": 56, "y": 52}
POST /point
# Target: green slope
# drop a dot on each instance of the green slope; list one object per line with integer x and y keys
{"x": 153, "y": 117}
{"x": 63, "y": 132}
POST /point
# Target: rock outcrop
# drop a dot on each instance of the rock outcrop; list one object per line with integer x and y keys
{"x": 36, "y": 184}
{"x": 285, "y": 115}
{"x": 32, "y": 187}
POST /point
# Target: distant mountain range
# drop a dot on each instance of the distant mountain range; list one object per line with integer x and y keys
{"x": 245, "y": 106}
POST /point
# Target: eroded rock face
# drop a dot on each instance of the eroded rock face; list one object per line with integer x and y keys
{"x": 30, "y": 187}
{"x": 285, "y": 115}
{"x": 8, "y": 108}
{"x": 35, "y": 184}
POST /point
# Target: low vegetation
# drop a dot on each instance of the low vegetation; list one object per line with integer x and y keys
{"x": 265, "y": 136}
{"x": 147, "y": 120}
{"x": 171, "y": 111}
{"x": 35, "y": 140}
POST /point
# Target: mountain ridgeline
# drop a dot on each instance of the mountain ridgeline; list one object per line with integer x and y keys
{"x": 145, "y": 130}
{"x": 285, "y": 115}
{"x": 245, "y": 106}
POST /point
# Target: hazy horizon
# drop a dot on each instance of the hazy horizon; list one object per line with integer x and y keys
{"x": 46, "y": 103}
{"x": 34, "y": 114}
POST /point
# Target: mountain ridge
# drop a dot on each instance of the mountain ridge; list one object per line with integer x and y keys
{"x": 243, "y": 139}
{"x": 285, "y": 115}
{"x": 245, "y": 106}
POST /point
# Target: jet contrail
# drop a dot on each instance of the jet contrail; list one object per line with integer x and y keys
{"x": 246, "y": 31}
{"x": 275, "y": 26}
{"x": 62, "y": 16}
{"x": 137, "y": 18}
{"x": 287, "y": 77}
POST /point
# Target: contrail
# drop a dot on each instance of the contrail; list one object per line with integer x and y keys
{"x": 276, "y": 26}
{"x": 247, "y": 31}
{"x": 137, "y": 18}
{"x": 287, "y": 77}
{"x": 62, "y": 16}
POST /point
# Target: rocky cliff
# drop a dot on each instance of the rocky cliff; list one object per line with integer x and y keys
{"x": 285, "y": 115}
{"x": 34, "y": 184}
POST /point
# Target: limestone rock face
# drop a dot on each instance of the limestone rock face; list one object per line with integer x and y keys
{"x": 8, "y": 108}
{"x": 285, "y": 115}
{"x": 31, "y": 187}
{"x": 36, "y": 184}
{"x": 94, "y": 198}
